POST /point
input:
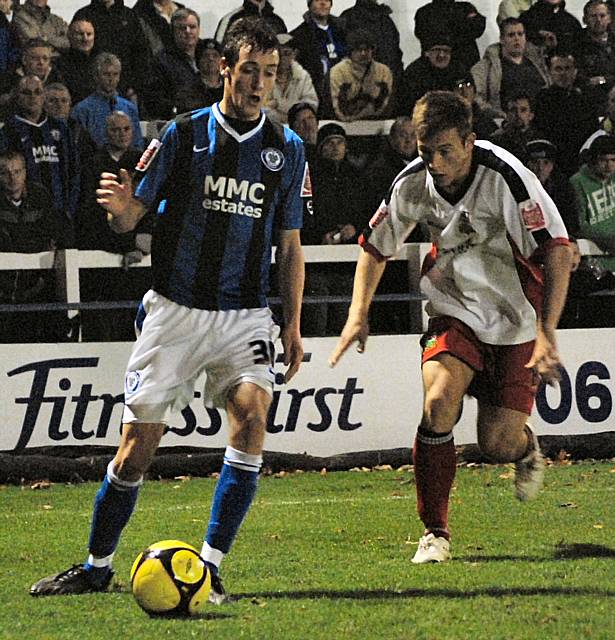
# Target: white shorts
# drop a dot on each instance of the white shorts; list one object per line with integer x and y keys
{"x": 177, "y": 344}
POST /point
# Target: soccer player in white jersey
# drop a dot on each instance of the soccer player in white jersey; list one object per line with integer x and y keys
{"x": 496, "y": 282}
{"x": 223, "y": 180}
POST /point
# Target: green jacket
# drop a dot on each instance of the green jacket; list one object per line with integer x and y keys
{"x": 596, "y": 209}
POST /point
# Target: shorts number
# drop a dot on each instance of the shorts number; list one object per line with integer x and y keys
{"x": 264, "y": 352}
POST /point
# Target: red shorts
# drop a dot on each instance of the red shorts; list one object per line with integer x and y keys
{"x": 501, "y": 378}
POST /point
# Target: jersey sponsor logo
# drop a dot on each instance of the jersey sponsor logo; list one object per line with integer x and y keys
{"x": 465, "y": 226}
{"x": 306, "y": 183}
{"x": 272, "y": 158}
{"x": 230, "y": 196}
{"x": 132, "y": 382}
{"x": 56, "y": 134}
{"x": 199, "y": 149}
{"x": 148, "y": 155}
{"x": 45, "y": 153}
{"x": 381, "y": 213}
{"x": 533, "y": 217}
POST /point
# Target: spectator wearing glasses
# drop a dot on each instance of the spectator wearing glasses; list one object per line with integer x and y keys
{"x": 460, "y": 20}
{"x": 433, "y": 70}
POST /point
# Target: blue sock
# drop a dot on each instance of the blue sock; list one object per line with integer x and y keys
{"x": 233, "y": 496}
{"x": 113, "y": 506}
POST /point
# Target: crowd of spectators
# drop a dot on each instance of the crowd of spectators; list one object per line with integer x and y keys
{"x": 73, "y": 97}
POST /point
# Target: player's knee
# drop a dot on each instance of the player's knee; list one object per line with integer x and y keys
{"x": 498, "y": 447}
{"x": 441, "y": 411}
{"x": 131, "y": 463}
{"x": 130, "y": 469}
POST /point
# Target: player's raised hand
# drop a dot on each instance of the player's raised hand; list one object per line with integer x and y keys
{"x": 114, "y": 193}
{"x": 356, "y": 329}
{"x": 293, "y": 352}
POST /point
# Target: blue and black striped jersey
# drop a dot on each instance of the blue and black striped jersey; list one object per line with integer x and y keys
{"x": 220, "y": 196}
{"x": 50, "y": 154}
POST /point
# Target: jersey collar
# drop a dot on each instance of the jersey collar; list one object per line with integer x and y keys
{"x": 221, "y": 120}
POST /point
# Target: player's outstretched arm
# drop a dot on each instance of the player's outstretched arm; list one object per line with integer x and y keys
{"x": 291, "y": 269}
{"x": 115, "y": 195}
{"x": 367, "y": 276}
{"x": 545, "y": 359}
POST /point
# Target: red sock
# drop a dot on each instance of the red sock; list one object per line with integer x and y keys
{"x": 435, "y": 463}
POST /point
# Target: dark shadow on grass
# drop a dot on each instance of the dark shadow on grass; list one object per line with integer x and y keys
{"x": 562, "y": 551}
{"x": 209, "y": 615}
{"x": 573, "y": 550}
{"x": 402, "y": 594}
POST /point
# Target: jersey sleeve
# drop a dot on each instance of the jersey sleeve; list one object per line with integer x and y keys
{"x": 535, "y": 224}
{"x": 299, "y": 186}
{"x": 155, "y": 164}
{"x": 394, "y": 219}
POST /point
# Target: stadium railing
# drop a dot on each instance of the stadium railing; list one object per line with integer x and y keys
{"x": 69, "y": 262}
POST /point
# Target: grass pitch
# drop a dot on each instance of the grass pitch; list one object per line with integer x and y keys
{"x": 328, "y": 556}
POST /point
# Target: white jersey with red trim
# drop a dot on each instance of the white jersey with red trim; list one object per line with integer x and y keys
{"x": 484, "y": 268}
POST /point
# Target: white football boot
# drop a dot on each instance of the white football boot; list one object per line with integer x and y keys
{"x": 432, "y": 549}
{"x": 530, "y": 471}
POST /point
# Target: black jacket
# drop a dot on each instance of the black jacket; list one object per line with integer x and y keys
{"x": 156, "y": 29}
{"x": 543, "y": 16}
{"x": 250, "y": 10}
{"x": 172, "y": 72}
{"x": 118, "y": 31}
{"x": 29, "y": 228}
{"x": 310, "y": 40}
{"x": 459, "y": 20}
{"x": 376, "y": 18}
{"x": 419, "y": 77}
{"x": 76, "y": 68}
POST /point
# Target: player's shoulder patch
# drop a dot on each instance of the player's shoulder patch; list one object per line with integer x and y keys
{"x": 381, "y": 214}
{"x": 306, "y": 183}
{"x": 532, "y": 215}
{"x": 148, "y": 155}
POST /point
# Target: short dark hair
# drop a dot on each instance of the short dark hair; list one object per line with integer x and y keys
{"x": 438, "y": 111}
{"x": 12, "y": 154}
{"x": 296, "y": 109}
{"x": 254, "y": 33}
{"x": 507, "y": 22}
{"x": 182, "y": 14}
{"x": 591, "y": 3}
{"x": 34, "y": 43}
{"x": 520, "y": 95}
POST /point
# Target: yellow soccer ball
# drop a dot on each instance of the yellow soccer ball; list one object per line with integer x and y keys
{"x": 170, "y": 578}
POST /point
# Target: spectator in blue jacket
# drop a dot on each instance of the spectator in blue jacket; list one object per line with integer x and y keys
{"x": 92, "y": 112}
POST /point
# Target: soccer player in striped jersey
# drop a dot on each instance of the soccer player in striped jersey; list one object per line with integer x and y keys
{"x": 496, "y": 282}
{"x": 223, "y": 180}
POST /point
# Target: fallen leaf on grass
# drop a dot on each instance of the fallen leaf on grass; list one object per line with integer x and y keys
{"x": 258, "y": 603}
{"x": 43, "y": 484}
